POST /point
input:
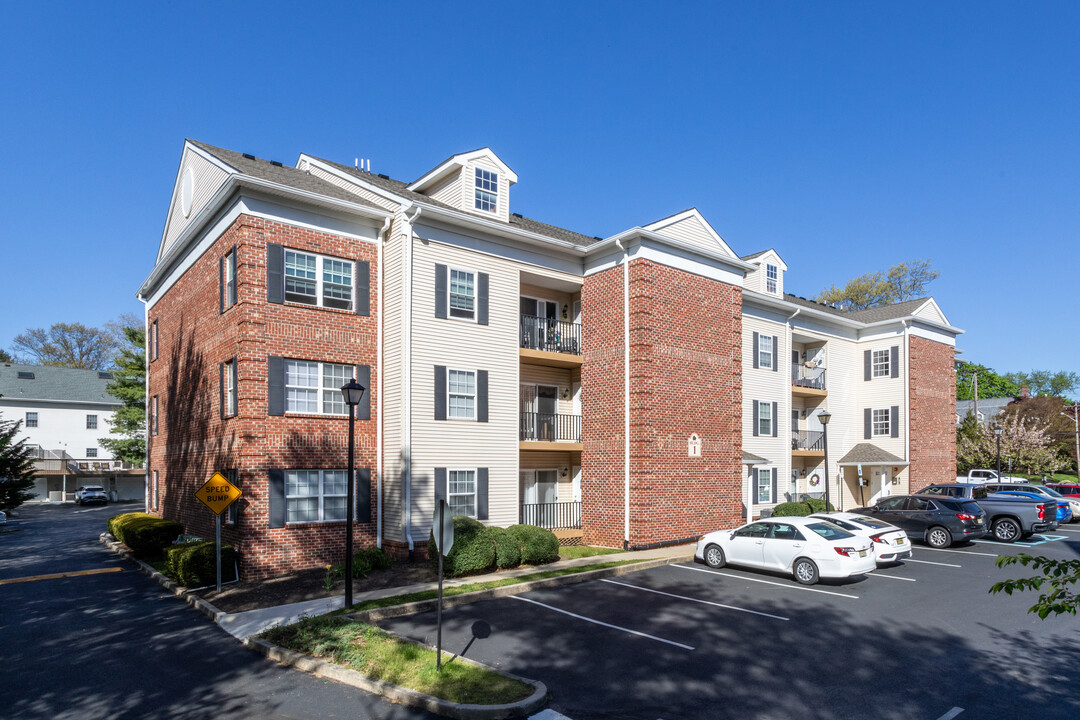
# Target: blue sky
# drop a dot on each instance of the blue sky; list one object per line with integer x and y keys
{"x": 849, "y": 136}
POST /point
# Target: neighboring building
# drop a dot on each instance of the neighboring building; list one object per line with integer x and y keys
{"x": 495, "y": 352}
{"x": 65, "y": 413}
{"x": 988, "y": 408}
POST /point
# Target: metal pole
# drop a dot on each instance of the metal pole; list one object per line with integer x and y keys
{"x": 825, "y": 445}
{"x": 442, "y": 544}
{"x": 349, "y": 515}
{"x": 217, "y": 523}
{"x": 998, "y": 435}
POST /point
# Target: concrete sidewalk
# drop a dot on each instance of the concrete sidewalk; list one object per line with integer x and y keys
{"x": 243, "y": 625}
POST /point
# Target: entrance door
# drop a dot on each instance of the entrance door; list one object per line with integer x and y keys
{"x": 547, "y": 400}
{"x": 540, "y": 493}
{"x": 794, "y": 429}
{"x": 879, "y": 483}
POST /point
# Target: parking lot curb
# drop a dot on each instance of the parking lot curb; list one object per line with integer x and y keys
{"x": 393, "y": 611}
{"x": 405, "y": 696}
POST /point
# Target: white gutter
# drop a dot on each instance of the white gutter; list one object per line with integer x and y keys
{"x": 407, "y": 331}
{"x": 626, "y": 394}
{"x": 379, "y": 401}
{"x": 146, "y": 403}
{"x": 840, "y": 320}
{"x": 638, "y": 232}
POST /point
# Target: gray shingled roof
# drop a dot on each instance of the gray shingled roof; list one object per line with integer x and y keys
{"x": 282, "y": 174}
{"x": 796, "y": 300}
{"x": 751, "y": 256}
{"x": 752, "y": 459}
{"x": 888, "y": 312}
{"x": 869, "y": 454}
{"x": 989, "y": 408}
{"x": 401, "y": 189}
{"x": 54, "y": 383}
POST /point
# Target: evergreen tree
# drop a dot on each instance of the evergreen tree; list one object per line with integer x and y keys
{"x": 129, "y": 387}
{"x": 16, "y": 467}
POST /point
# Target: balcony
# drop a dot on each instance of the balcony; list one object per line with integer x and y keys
{"x": 807, "y": 381}
{"x": 550, "y": 431}
{"x": 546, "y": 341}
{"x": 552, "y": 516}
{"x": 807, "y": 443}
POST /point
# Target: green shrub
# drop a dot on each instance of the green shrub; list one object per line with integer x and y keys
{"x": 507, "y": 548}
{"x": 196, "y": 563}
{"x": 817, "y": 506}
{"x": 146, "y": 535}
{"x": 367, "y": 559}
{"x": 473, "y": 551}
{"x": 537, "y": 545}
{"x": 792, "y": 509}
{"x": 173, "y": 553}
{"x": 117, "y": 523}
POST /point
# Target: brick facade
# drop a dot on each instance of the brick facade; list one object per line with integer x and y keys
{"x": 194, "y": 440}
{"x": 932, "y": 394}
{"x": 685, "y": 378}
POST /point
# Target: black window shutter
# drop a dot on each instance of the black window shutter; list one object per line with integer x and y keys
{"x": 753, "y": 485}
{"x": 233, "y": 515}
{"x": 482, "y": 299}
{"x": 866, "y": 364}
{"x": 481, "y": 493}
{"x": 234, "y": 382}
{"x": 756, "y": 341}
{"x": 277, "y": 498}
{"x": 440, "y": 392}
{"x": 894, "y": 421}
{"x": 235, "y": 278}
{"x": 774, "y": 423}
{"x": 775, "y": 353}
{"x": 221, "y": 387}
{"x": 276, "y": 386}
{"x": 363, "y": 376}
{"x": 755, "y": 418}
{"x": 868, "y": 423}
{"x": 894, "y": 360}
{"x": 363, "y": 287}
{"x": 440, "y": 484}
{"x": 154, "y": 354}
{"x": 775, "y": 486}
{"x": 481, "y": 395}
{"x": 440, "y": 291}
{"x": 363, "y": 495}
{"x": 275, "y": 273}
{"x": 221, "y": 284}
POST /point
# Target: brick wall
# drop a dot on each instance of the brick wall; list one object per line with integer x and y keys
{"x": 194, "y": 440}
{"x": 933, "y": 413}
{"x": 685, "y": 377}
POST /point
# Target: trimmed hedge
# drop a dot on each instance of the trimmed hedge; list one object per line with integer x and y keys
{"x": 146, "y": 535}
{"x": 195, "y": 564}
{"x": 817, "y": 505}
{"x": 800, "y": 509}
{"x": 473, "y": 551}
{"x": 507, "y": 548}
{"x": 538, "y": 546}
{"x": 367, "y": 559}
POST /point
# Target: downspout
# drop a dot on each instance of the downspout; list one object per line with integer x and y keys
{"x": 907, "y": 397}
{"x": 626, "y": 394}
{"x": 146, "y": 403}
{"x": 407, "y": 312}
{"x": 379, "y": 400}
{"x": 795, "y": 485}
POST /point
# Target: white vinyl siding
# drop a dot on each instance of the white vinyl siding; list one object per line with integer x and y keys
{"x": 881, "y": 393}
{"x": 690, "y": 230}
{"x": 393, "y": 416}
{"x": 208, "y": 178}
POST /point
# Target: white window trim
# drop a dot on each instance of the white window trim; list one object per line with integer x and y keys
{"x": 232, "y": 399}
{"x": 476, "y": 295}
{"x": 885, "y": 367}
{"x": 154, "y": 340}
{"x": 774, "y": 280}
{"x": 322, "y": 496}
{"x": 494, "y": 210}
{"x": 475, "y": 480}
{"x": 757, "y": 488}
{"x": 319, "y": 388}
{"x": 318, "y": 280}
{"x": 36, "y": 419}
{"x": 875, "y": 423}
{"x": 90, "y": 418}
{"x": 765, "y": 404}
{"x": 155, "y": 489}
{"x": 154, "y": 416}
{"x": 761, "y": 352}
{"x": 230, "y": 278}
{"x": 476, "y": 376}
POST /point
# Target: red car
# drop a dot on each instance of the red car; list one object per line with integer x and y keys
{"x": 1068, "y": 490}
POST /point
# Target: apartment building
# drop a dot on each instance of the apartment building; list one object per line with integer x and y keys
{"x": 629, "y": 391}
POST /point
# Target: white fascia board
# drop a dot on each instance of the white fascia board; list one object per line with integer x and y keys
{"x": 458, "y": 161}
{"x": 30, "y": 402}
{"x": 638, "y": 233}
{"x": 919, "y": 329}
{"x": 370, "y": 187}
{"x": 919, "y": 320}
{"x": 771, "y": 252}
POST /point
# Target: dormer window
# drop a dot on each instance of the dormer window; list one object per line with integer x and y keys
{"x": 487, "y": 190}
{"x": 771, "y": 278}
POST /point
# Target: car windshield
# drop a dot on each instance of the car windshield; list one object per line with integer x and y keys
{"x": 1052, "y": 492}
{"x": 971, "y": 508}
{"x": 94, "y": 488}
{"x": 829, "y": 531}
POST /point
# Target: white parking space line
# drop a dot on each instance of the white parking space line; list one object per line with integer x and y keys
{"x": 597, "y": 622}
{"x": 703, "y": 602}
{"x": 962, "y": 552}
{"x": 951, "y": 714}
{"x": 1061, "y": 529}
{"x": 767, "y": 582}
{"x": 889, "y": 577}
{"x": 927, "y": 562}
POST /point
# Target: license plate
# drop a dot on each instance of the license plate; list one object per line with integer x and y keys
{"x": 899, "y": 541}
{"x": 978, "y": 521}
{"x": 862, "y": 553}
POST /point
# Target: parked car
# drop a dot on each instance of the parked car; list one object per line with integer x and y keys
{"x": 890, "y": 543}
{"x": 980, "y": 476}
{"x": 91, "y": 494}
{"x": 1009, "y": 518}
{"x": 808, "y": 548}
{"x": 1066, "y": 489}
{"x": 1063, "y": 514}
{"x": 937, "y": 521}
{"x": 3, "y": 518}
{"x": 1046, "y": 492}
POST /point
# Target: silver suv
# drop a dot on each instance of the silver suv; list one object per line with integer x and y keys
{"x": 91, "y": 494}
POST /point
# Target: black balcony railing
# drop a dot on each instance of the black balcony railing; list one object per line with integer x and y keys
{"x": 807, "y": 440}
{"x": 552, "y": 516}
{"x": 551, "y": 335}
{"x": 802, "y": 376}
{"x": 550, "y": 427}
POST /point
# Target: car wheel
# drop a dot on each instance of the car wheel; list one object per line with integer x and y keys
{"x": 805, "y": 571}
{"x": 714, "y": 556}
{"x": 1006, "y": 530}
{"x": 938, "y": 537}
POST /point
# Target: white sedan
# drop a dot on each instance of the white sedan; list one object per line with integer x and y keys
{"x": 890, "y": 542}
{"x": 808, "y": 548}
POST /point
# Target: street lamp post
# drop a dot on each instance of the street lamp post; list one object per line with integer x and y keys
{"x": 353, "y": 392}
{"x": 824, "y": 417}
{"x": 997, "y": 434}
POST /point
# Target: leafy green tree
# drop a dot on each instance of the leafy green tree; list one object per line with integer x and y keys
{"x": 129, "y": 387}
{"x": 1059, "y": 577}
{"x": 5, "y": 356}
{"x": 72, "y": 345}
{"x": 1046, "y": 382}
{"x": 903, "y": 281}
{"x": 991, "y": 385}
{"x": 1023, "y": 442}
{"x": 16, "y": 467}
{"x": 967, "y": 432}
{"x": 1046, "y": 412}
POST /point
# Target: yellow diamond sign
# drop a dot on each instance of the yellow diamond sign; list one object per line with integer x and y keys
{"x": 218, "y": 493}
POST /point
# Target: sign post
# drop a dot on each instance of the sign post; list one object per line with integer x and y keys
{"x": 218, "y": 494}
{"x": 442, "y": 527}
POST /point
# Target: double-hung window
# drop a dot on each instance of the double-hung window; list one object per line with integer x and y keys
{"x": 461, "y": 394}
{"x": 881, "y": 422}
{"x": 765, "y": 418}
{"x": 315, "y": 388}
{"x": 462, "y": 294}
{"x": 315, "y": 495}
{"x": 154, "y": 415}
{"x": 31, "y": 419}
{"x": 461, "y": 492}
{"x": 91, "y": 452}
{"x": 91, "y": 422}
{"x": 154, "y": 340}
{"x": 230, "y": 279}
{"x": 229, "y": 392}
{"x": 317, "y": 280}
{"x": 765, "y": 351}
{"x": 487, "y": 190}
{"x": 763, "y": 491}
{"x": 771, "y": 278}
{"x": 880, "y": 363}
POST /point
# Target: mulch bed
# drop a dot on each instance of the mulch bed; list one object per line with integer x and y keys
{"x": 310, "y": 585}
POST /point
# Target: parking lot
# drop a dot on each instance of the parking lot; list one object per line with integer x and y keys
{"x": 920, "y": 639}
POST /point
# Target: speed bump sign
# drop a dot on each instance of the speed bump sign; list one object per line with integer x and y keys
{"x": 218, "y": 493}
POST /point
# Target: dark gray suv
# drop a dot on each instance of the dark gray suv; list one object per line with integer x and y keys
{"x": 938, "y": 521}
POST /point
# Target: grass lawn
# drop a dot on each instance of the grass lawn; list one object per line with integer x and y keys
{"x": 579, "y": 551}
{"x": 377, "y": 654}
{"x": 1055, "y": 478}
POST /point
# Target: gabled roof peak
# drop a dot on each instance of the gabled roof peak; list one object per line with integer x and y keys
{"x": 454, "y": 163}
